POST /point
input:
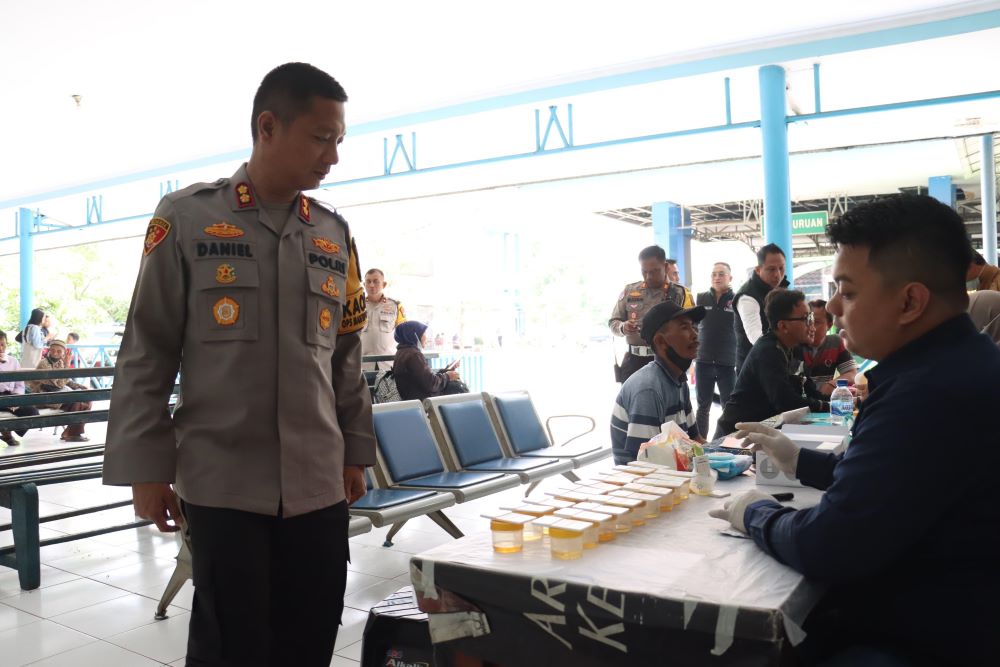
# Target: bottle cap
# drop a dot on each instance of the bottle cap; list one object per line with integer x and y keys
{"x": 841, "y": 383}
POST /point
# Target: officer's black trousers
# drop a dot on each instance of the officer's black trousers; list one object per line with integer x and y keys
{"x": 631, "y": 363}
{"x": 268, "y": 591}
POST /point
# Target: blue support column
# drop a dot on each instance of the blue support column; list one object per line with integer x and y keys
{"x": 25, "y": 225}
{"x": 988, "y": 174}
{"x": 774, "y": 134}
{"x": 942, "y": 189}
{"x": 668, "y": 233}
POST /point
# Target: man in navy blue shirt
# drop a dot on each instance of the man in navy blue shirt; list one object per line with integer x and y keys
{"x": 907, "y": 535}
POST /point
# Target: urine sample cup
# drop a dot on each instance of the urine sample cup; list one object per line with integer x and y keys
{"x": 631, "y": 470}
{"x": 681, "y": 487}
{"x": 666, "y": 495}
{"x": 508, "y": 531}
{"x": 603, "y": 525}
{"x": 597, "y": 486}
{"x": 571, "y": 495}
{"x": 634, "y": 505}
{"x": 621, "y": 521}
{"x": 650, "y": 508}
{"x": 532, "y": 531}
{"x": 566, "y": 538}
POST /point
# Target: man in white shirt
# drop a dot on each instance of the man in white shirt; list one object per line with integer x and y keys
{"x": 384, "y": 315}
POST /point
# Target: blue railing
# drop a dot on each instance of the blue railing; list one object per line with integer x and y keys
{"x": 94, "y": 356}
{"x": 470, "y": 370}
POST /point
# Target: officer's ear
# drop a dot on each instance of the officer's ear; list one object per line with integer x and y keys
{"x": 266, "y": 124}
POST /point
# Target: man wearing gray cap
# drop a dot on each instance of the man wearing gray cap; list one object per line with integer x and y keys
{"x": 658, "y": 392}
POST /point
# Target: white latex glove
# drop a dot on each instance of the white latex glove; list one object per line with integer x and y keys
{"x": 735, "y": 508}
{"x": 776, "y": 444}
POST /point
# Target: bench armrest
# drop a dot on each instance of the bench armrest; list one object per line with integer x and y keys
{"x": 548, "y": 430}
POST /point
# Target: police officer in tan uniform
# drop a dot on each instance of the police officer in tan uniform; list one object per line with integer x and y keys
{"x": 636, "y": 300}
{"x": 253, "y": 291}
{"x": 384, "y": 315}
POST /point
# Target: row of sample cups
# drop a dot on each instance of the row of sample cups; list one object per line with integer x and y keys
{"x": 592, "y": 511}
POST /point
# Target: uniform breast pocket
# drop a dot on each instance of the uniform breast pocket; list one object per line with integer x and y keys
{"x": 324, "y": 307}
{"x": 227, "y": 299}
{"x": 386, "y": 322}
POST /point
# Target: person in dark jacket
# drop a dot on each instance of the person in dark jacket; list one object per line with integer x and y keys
{"x": 773, "y": 379}
{"x": 910, "y": 578}
{"x": 751, "y": 320}
{"x": 716, "y": 362}
{"x": 414, "y": 378}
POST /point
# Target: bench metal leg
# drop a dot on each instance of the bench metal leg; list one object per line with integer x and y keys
{"x": 182, "y": 573}
{"x": 440, "y": 519}
{"x": 392, "y": 532}
{"x": 571, "y": 476}
{"x": 24, "y": 525}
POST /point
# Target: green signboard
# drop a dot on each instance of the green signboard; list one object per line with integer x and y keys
{"x": 813, "y": 222}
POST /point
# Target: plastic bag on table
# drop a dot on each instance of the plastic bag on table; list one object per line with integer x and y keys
{"x": 672, "y": 447}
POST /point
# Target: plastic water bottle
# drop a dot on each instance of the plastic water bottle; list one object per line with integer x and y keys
{"x": 841, "y": 404}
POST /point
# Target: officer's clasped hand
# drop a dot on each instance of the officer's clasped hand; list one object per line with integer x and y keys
{"x": 775, "y": 444}
{"x": 735, "y": 508}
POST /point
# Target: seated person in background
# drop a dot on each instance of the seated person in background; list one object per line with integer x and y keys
{"x": 773, "y": 379}
{"x": 72, "y": 339}
{"x": 15, "y": 388}
{"x": 414, "y": 378}
{"x": 658, "y": 392}
{"x": 54, "y": 360}
{"x": 826, "y": 355}
{"x": 984, "y": 309}
{"x": 911, "y": 578}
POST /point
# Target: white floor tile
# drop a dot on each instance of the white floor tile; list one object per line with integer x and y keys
{"x": 61, "y": 598}
{"x": 165, "y": 641}
{"x": 352, "y": 628}
{"x": 180, "y": 663}
{"x": 7, "y": 537}
{"x": 138, "y": 577}
{"x": 14, "y": 618}
{"x": 27, "y": 643}
{"x": 113, "y": 617}
{"x": 74, "y": 547}
{"x": 339, "y": 661}
{"x": 94, "y": 520}
{"x": 378, "y": 562}
{"x": 100, "y": 560}
{"x": 357, "y": 581}
{"x": 351, "y": 652}
{"x": 368, "y": 597}
{"x": 10, "y": 584}
{"x": 183, "y": 599}
{"x": 97, "y": 654}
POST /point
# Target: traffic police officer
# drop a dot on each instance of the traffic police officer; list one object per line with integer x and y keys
{"x": 253, "y": 290}
{"x": 384, "y": 315}
{"x": 636, "y": 300}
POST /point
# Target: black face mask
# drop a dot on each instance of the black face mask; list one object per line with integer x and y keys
{"x": 678, "y": 360}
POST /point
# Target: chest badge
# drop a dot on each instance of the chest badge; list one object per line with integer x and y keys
{"x": 225, "y": 274}
{"x": 330, "y": 287}
{"x": 226, "y": 312}
{"x": 155, "y": 233}
{"x": 325, "y": 319}
{"x": 244, "y": 196}
{"x": 224, "y": 230}
{"x": 635, "y": 294}
{"x": 326, "y": 245}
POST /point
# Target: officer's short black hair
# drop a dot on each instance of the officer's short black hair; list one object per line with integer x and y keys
{"x": 910, "y": 238}
{"x": 978, "y": 259}
{"x": 769, "y": 249}
{"x": 378, "y": 271}
{"x": 779, "y": 304}
{"x": 653, "y": 252}
{"x": 670, "y": 260}
{"x": 821, "y": 303}
{"x": 287, "y": 92}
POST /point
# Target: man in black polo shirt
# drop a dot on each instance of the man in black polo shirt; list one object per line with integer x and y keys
{"x": 773, "y": 379}
{"x": 751, "y": 321}
{"x": 907, "y": 535}
{"x": 716, "y": 362}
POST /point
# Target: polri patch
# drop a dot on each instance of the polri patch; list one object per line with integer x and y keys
{"x": 330, "y": 287}
{"x": 225, "y": 274}
{"x": 224, "y": 230}
{"x": 325, "y": 319}
{"x": 156, "y": 232}
{"x": 226, "y": 312}
{"x": 326, "y": 245}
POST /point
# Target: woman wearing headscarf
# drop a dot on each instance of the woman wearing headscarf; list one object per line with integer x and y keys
{"x": 414, "y": 378}
{"x": 984, "y": 309}
{"x": 32, "y": 339}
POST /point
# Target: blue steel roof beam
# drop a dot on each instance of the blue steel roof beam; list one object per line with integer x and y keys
{"x": 898, "y": 106}
{"x": 928, "y": 29}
